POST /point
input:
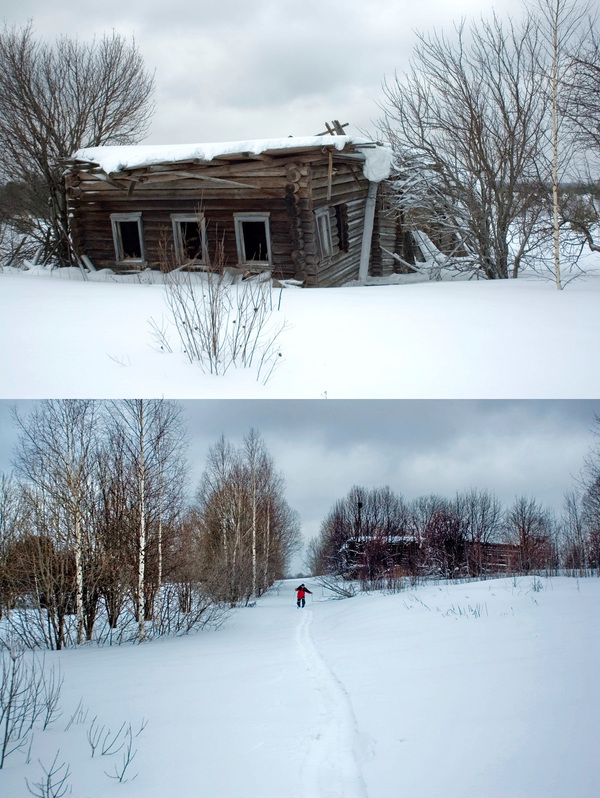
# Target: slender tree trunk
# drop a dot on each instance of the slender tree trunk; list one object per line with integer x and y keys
{"x": 79, "y": 581}
{"x": 555, "y": 147}
{"x": 267, "y": 548}
{"x": 142, "y": 529}
{"x": 254, "y": 536}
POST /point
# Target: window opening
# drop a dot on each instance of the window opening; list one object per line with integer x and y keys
{"x": 189, "y": 236}
{"x": 130, "y": 238}
{"x": 191, "y": 240}
{"x": 127, "y": 235}
{"x": 252, "y": 234}
{"x": 341, "y": 219}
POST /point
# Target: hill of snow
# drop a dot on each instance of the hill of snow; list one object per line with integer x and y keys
{"x": 479, "y": 689}
{"x": 61, "y": 336}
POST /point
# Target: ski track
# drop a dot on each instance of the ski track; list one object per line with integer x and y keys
{"x": 331, "y": 769}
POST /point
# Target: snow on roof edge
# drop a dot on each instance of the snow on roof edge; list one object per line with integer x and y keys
{"x": 113, "y": 159}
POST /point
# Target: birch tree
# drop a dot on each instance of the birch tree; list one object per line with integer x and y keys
{"x": 562, "y": 25}
{"x": 248, "y": 530}
{"x": 150, "y": 436}
{"x": 55, "y": 458}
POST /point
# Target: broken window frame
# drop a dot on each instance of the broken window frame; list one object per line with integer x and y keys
{"x": 239, "y": 219}
{"x": 120, "y": 257}
{"x": 324, "y": 233}
{"x": 176, "y": 220}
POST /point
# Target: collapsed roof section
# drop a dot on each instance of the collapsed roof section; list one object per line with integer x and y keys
{"x": 124, "y": 161}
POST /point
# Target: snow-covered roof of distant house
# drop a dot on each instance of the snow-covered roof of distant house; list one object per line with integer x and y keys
{"x": 376, "y": 167}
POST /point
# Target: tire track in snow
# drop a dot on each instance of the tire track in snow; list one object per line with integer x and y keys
{"x": 331, "y": 769}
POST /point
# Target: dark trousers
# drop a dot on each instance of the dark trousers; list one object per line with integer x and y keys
{"x": 301, "y": 602}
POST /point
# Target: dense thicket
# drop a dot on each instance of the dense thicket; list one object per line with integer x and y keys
{"x": 247, "y": 530}
{"x": 98, "y": 539}
{"x": 375, "y": 534}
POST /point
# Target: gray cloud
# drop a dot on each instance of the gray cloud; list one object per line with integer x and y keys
{"x": 232, "y": 70}
{"x": 512, "y": 448}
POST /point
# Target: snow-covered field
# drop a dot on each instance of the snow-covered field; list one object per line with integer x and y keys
{"x": 479, "y": 689}
{"x": 64, "y": 337}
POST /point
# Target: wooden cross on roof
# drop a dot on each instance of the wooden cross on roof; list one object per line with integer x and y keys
{"x": 335, "y": 129}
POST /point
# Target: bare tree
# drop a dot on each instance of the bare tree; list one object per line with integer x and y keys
{"x": 561, "y": 23}
{"x": 150, "y": 436}
{"x": 482, "y": 520}
{"x": 580, "y": 211}
{"x": 582, "y": 103}
{"x": 532, "y": 528}
{"x": 10, "y": 522}
{"x": 590, "y": 501}
{"x": 248, "y": 530}
{"x": 55, "y": 457}
{"x": 56, "y": 99}
{"x": 467, "y": 123}
{"x": 114, "y": 521}
{"x": 365, "y": 534}
{"x": 445, "y": 543}
{"x": 574, "y": 537}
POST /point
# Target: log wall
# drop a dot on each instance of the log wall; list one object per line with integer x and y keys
{"x": 289, "y": 188}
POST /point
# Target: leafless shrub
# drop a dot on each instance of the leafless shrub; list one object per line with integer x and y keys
{"x": 221, "y": 323}
{"x": 124, "y": 740}
{"x": 26, "y": 695}
{"x": 184, "y": 608}
{"x": 79, "y": 716}
{"x": 467, "y": 612}
{"x": 160, "y": 334}
{"x": 94, "y": 734}
{"x": 54, "y": 783}
{"x": 337, "y": 587}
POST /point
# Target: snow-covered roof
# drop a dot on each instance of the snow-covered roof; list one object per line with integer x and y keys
{"x": 376, "y": 167}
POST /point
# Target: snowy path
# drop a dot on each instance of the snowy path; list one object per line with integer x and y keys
{"x": 331, "y": 769}
{"x": 380, "y": 696}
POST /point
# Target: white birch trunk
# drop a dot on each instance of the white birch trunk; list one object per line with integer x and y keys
{"x": 555, "y": 148}
{"x": 142, "y": 529}
{"x": 79, "y": 580}
{"x": 267, "y": 546}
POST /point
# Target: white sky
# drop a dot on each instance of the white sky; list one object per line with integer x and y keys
{"x": 323, "y": 447}
{"x": 229, "y": 70}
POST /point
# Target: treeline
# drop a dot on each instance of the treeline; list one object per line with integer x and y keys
{"x": 491, "y": 125}
{"x": 375, "y": 534}
{"x": 99, "y": 539}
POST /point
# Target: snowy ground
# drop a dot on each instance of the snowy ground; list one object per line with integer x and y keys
{"x": 64, "y": 337}
{"x": 481, "y": 689}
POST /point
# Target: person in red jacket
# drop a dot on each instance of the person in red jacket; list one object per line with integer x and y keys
{"x": 301, "y": 593}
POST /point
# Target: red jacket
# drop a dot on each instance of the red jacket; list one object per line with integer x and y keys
{"x": 302, "y": 591}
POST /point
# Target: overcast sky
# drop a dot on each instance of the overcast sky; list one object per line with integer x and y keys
{"x": 231, "y": 70}
{"x": 324, "y": 447}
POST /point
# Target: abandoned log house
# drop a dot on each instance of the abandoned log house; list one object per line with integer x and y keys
{"x": 315, "y": 210}
{"x": 386, "y": 555}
